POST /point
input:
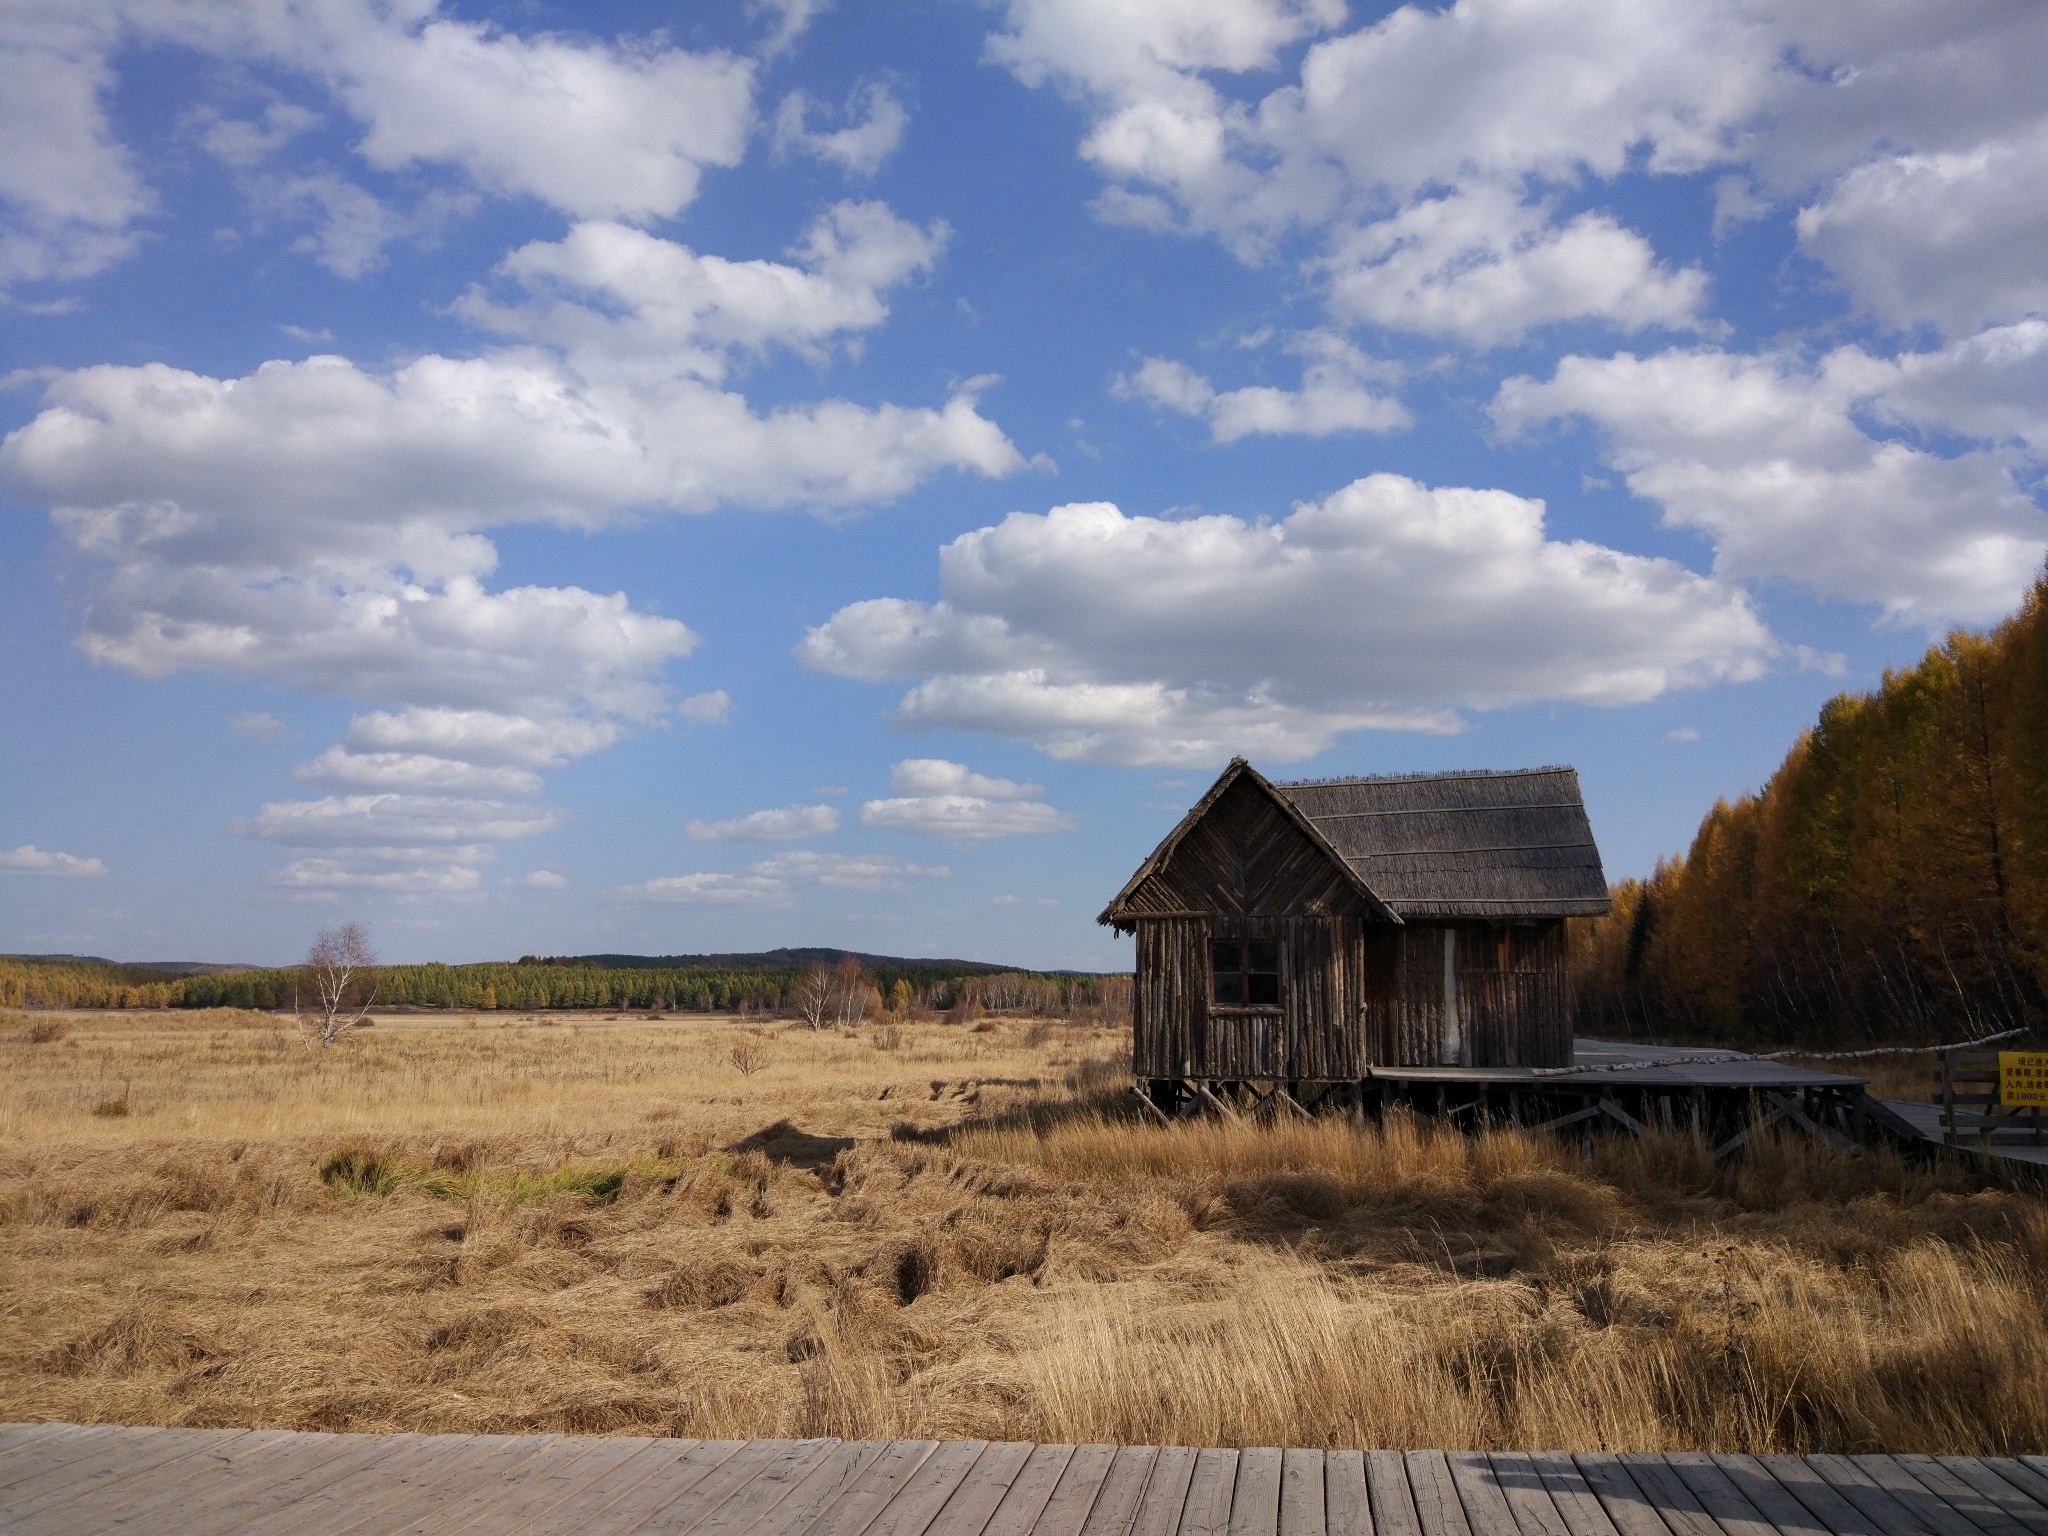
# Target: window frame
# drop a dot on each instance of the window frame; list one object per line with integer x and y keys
{"x": 1250, "y": 981}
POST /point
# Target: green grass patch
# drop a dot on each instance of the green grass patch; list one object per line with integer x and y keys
{"x": 596, "y": 1186}
{"x": 358, "y": 1172}
{"x": 354, "y": 1172}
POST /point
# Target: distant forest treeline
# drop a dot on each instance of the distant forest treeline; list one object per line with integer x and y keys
{"x": 741, "y": 983}
{"x": 1890, "y": 882}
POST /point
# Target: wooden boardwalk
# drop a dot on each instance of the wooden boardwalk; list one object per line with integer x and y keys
{"x": 71, "y": 1480}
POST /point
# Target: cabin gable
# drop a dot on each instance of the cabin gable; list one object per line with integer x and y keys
{"x": 1245, "y": 856}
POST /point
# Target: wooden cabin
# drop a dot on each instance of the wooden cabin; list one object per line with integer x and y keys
{"x": 1308, "y": 932}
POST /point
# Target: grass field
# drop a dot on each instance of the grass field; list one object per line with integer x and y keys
{"x": 694, "y": 1226}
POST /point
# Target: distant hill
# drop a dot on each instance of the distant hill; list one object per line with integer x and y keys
{"x": 777, "y": 960}
{"x": 152, "y": 967}
{"x": 701, "y": 983}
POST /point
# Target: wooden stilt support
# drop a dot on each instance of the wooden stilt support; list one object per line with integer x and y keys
{"x": 1151, "y": 1109}
{"x": 1221, "y": 1108}
{"x": 1798, "y": 1116}
{"x": 1616, "y": 1113}
{"x": 1564, "y": 1120}
{"x": 1755, "y": 1127}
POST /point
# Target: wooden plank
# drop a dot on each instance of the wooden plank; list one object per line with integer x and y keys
{"x": 101, "y": 1501}
{"x": 1520, "y": 1482}
{"x": 685, "y": 1507}
{"x": 822, "y": 1486}
{"x": 1631, "y": 1510}
{"x": 918, "y": 1502}
{"x": 240, "y": 1489}
{"x": 1573, "y": 1496}
{"x": 1997, "y": 1479}
{"x": 18, "y": 1440}
{"x": 1116, "y": 1503}
{"x": 2023, "y": 1477}
{"x": 472, "y": 1462}
{"x": 189, "y": 1504}
{"x": 1984, "y": 1513}
{"x": 378, "y": 1484}
{"x": 741, "y": 1491}
{"x": 1255, "y": 1505}
{"x": 2014, "y": 1503}
{"x": 1854, "y": 1484}
{"x": 1486, "y": 1507}
{"x": 1347, "y": 1506}
{"x": 107, "y": 1454}
{"x": 664, "y": 1473}
{"x": 1207, "y": 1510}
{"x": 1393, "y": 1504}
{"x": 1166, "y": 1492}
{"x": 115, "y": 1470}
{"x": 1718, "y": 1495}
{"x": 1303, "y": 1511}
{"x": 1795, "y": 1474}
{"x": 41, "y": 1455}
{"x": 1772, "y": 1499}
{"x": 1927, "y": 1506}
{"x": 543, "y": 1484}
{"x": 1026, "y": 1497}
{"x": 869, "y": 1494}
{"x": 1438, "y": 1510}
{"x": 1074, "y": 1496}
{"x": 970, "y": 1505}
{"x": 322, "y": 1479}
{"x": 1666, "y": 1490}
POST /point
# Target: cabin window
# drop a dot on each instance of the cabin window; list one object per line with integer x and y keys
{"x": 1244, "y": 973}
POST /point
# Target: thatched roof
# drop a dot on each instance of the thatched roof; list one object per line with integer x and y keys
{"x": 1475, "y": 844}
{"x": 1500, "y": 845}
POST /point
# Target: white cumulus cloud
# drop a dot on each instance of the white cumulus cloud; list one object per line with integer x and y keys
{"x": 31, "y": 860}
{"x": 873, "y": 120}
{"x": 1389, "y": 604}
{"x": 707, "y": 890}
{"x": 1764, "y": 455}
{"x": 785, "y": 824}
{"x": 69, "y": 190}
{"x": 1334, "y": 396}
{"x": 1481, "y": 264}
{"x": 940, "y": 776}
{"x": 776, "y": 881}
{"x": 970, "y": 818}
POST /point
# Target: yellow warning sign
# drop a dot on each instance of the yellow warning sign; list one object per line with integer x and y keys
{"x": 2022, "y": 1078}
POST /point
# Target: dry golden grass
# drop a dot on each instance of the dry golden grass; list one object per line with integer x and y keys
{"x": 699, "y": 1227}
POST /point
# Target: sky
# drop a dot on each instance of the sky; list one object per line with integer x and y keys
{"x": 655, "y": 478}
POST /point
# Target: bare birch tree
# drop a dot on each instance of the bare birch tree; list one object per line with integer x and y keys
{"x": 811, "y": 996}
{"x": 341, "y": 968}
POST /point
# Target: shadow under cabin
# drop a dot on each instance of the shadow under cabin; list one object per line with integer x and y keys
{"x": 1292, "y": 937}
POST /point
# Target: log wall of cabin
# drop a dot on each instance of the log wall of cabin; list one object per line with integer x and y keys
{"x": 1513, "y": 1003}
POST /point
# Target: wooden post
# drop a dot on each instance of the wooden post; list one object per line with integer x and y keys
{"x": 1221, "y": 1108}
{"x": 1151, "y": 1109}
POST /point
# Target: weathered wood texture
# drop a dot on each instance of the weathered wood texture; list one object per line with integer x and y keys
{"x": 1247, "y": 872}
{"x": 1357, "y": 989}
{"x": 77, "y": 1479}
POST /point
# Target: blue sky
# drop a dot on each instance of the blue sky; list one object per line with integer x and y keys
{"x": 655, "y": 478}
